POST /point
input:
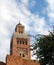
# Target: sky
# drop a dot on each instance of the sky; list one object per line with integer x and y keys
{"x": 36, "y": 15}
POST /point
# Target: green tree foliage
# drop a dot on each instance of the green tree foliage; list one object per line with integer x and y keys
{"x": 45, "y": 49}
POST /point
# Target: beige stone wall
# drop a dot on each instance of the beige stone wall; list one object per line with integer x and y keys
{"x": 16, "y": 60}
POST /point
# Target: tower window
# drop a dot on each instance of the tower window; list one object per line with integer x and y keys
{"x": 22, "y": 32}
{"x": 19, "y": 32}
{"x": 20, "y": 54}
{"x": 23, "y": 41}
{"x": 26, "y": 51}
{"x": 23, "y": 55}
{"x": 26, "y": 42}
{"x": 20, "y": 41}
{"x": 17, "y": 40}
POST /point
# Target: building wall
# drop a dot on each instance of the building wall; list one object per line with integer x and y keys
{"x": 20, "y": 43}
{"x": 17, "y": 60}
{"x": 17, "y": 49}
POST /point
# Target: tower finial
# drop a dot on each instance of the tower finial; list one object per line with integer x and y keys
{"x": 19, "y": 23}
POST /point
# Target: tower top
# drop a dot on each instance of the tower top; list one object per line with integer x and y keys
{"x": 19, "y": 23}
{"x": 19, "y": 28}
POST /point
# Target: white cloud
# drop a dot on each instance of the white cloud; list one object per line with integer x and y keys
{"x": 50, "y": 4}
{"x": 4, "y": 48}
{"x": 25, "y": 1}
{"x": 51, "y": 15}
{"x": 39, "y": 26}
{"x": 50, "y": 10}
{"x": 10, "y": 14}
{"x": 32, "y": 3}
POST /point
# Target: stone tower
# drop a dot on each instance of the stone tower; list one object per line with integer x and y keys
{"x": 20, "y": 42}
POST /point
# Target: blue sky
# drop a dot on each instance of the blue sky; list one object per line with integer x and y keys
{"x": 36, "y": 15}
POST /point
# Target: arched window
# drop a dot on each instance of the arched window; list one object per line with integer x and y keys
{"x": 23, "y": 42}
{"x": 26, "y": 42}
{"x": 20, "y": 41}
{"x": 17, "y": 40}
{"x": 21, "y": 32}
{"x": 23, "y": 55}
{"x": 20, "y": 54}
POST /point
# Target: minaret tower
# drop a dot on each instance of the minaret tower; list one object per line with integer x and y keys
{"x": 20, "y": 43}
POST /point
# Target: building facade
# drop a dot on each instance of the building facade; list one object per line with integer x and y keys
{"x": 20, "y": 48}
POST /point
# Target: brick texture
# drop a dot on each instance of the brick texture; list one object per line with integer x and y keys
{"x": 17, "y": 60}
{"x": 20, "y": 49}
